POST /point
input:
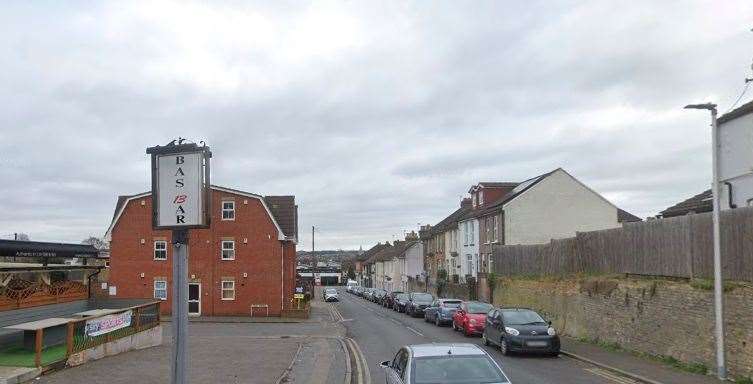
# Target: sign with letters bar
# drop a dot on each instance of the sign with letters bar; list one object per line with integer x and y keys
{"x": 180, "y": 186}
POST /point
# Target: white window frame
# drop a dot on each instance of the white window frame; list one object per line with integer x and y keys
{"x": 223, "y": 249}
{"x": 155, "y": 250}
{"x": 160, "y": 289}
{"x": 465, "y": 233}
{"x": 231, "y": 210}
{"x": 469, "y": 263}
{"x": 495, "y": 231}
{"x": 472, "y": 232}
{"x": 480, "y": 198}
{"x": 223, "y": 289}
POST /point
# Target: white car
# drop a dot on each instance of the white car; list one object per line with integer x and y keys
{"x": 330, "y": 294}
{"x": 443, "y": 364}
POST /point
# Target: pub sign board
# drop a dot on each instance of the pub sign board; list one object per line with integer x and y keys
{"x": 180, "y": 186}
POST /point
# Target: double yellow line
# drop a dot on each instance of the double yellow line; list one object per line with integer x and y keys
{"x": 362, "y": 373}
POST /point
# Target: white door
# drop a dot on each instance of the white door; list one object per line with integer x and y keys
{"x": 194, "y": 299}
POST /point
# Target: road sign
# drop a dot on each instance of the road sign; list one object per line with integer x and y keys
{"x": 180, "y": 201}
{"x": 180, "y": 186}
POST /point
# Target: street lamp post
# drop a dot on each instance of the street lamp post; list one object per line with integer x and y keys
{"x": 718, "y": 291}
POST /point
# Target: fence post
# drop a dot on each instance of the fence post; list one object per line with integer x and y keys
{"x": 137, "y": 319}
{"x": 38, "y": 347}
{"x": 69, "y": 340}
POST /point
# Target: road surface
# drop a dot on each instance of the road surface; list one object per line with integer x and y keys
{"x": 380, "y": 332}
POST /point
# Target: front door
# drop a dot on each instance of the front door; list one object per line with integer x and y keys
{"x": 194, "y": 299}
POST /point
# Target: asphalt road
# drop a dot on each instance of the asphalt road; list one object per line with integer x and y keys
{"x": 380, "y": 332}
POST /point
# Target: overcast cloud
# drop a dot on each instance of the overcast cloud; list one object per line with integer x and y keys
{"x": 377, "y": 116}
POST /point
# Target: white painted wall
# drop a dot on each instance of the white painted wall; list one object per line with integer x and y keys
{"x": 555, "y": 208}
{"x": 398, "y": 270}
{"x": 736, "y": 160}
{"x": 388, "y": 272}
{"x": 379, "y": 274}
{"x": 468, "y": 245}
{"x": 414, "y": 260}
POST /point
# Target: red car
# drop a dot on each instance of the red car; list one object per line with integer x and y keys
{"x": 471, "y": 317}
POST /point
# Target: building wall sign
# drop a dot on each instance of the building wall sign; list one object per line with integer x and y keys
{"x": 180, "y": 186}
{"x": 107, "y": 324}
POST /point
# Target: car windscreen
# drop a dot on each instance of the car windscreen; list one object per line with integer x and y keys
{"x": 330, "y": 290}
{"x": 455, "y": 370}
{"x": 402, "y": 296}
{"x": 521, "y": 317}
{"x": 422, "y": 297}
{"x": 451, "y": 304}
{"x": 479, "y": 308}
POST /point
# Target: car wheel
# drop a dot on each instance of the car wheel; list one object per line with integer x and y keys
{"x": 465, "y": 332}
{"x": 554, "y": 354}
{"x": 484, "y": 339}
{"x": 503, "y": 347}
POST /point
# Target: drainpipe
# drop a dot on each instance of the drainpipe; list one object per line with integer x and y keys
{"x": 729, "y": 195}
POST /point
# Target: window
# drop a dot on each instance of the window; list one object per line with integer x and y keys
{"x": 494, "y": 229}
{"x": 469, "y": 259}
{"x": 228, "y": 290}
{"x": 228, "y": 250}
{"x": 160, "y": 289}
{"x": 472, "y": 229}
{"x": 160, "y": 250}
{"x": 228, "y": 210}
{"x": 481, "y": 198}
{"x": 465, "y": 232}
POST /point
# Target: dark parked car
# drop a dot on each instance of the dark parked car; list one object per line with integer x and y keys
{"x": 377, "y": 295}
{"x": 470, "y": 318}
{"x": 520, "y": 330}
{"x": 389, "y": 300}
{"x": 441, "y": 310}
{"x": 417, "y": 303}
{"x": 401, "y": 300}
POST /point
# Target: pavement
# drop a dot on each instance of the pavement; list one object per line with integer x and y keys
{"x": 646, "y": 370}
{"x": 380, "y": 332}
{"x": 302, "y": 352}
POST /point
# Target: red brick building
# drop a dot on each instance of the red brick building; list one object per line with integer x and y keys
{"x": 246, "y": 258}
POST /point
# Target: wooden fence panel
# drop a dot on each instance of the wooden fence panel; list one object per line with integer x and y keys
{"x": 675, "y": 247}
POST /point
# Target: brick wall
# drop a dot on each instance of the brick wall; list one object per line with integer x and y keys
{"x": 268, "y": 262}
{"x": 659, "y": 317}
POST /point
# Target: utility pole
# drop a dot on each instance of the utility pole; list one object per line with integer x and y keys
{"x": 718, "y": 292}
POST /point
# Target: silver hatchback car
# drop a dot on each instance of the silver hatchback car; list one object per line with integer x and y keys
{"x": 443, "y": 364}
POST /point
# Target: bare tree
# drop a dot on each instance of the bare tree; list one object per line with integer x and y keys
{"x": 96, "y": 242}
{"x": 22, "y": 237}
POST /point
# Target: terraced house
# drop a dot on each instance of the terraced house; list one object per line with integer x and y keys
{"x": 245, "y": 258}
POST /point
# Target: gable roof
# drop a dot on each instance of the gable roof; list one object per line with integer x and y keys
{"x": 286, "y": 211}
{"x": 371, "y": 251}
{"x": 738, "y": 112}
{"x": 517, "y": 191}
{"x": 448, "y": 221}
{"x": 699, "y": 203}
{"x": 624, "y": 216}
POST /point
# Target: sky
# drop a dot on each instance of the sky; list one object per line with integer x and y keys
{"x": 377, "y": 116}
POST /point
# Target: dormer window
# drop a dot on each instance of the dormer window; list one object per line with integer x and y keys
{"x": 475, "y": 200}
{"x": 481, "y": 198}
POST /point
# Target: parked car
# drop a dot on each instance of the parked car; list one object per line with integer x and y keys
{"x": 367, "y": 293}
{"x": 520, "y": 330}
{"x": 389, "y": 300}
{"x": 417, "y": 303}
{"x": 470, "y": 318}
{"x": 330, "y": 294}
{"x": 351, "y": 285}
{"x": 378, "y": 295}
{"x": 440, "y": 312}
{"x": 443, "y": 363}
{"x": 401, "y": 300}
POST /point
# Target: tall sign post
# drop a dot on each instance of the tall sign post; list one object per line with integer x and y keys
{"x": 180, "y": 201}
